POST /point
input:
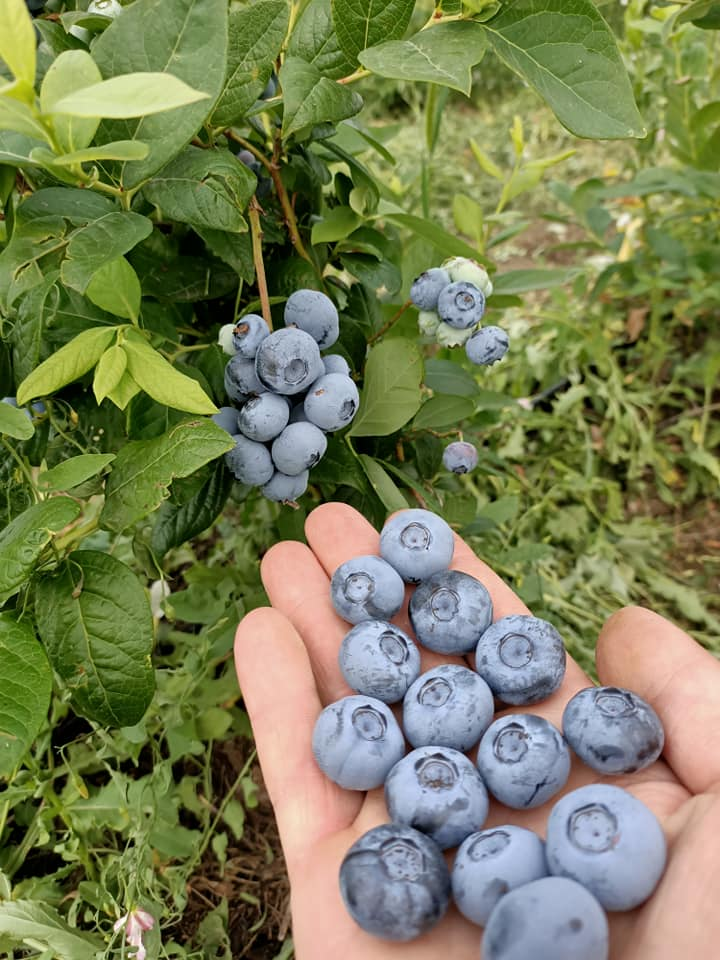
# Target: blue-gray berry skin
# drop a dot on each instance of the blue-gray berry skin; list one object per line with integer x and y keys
{"x": 356, "y": 741}
{"x": 448, "y": 706}
{"x": 417, "y": 543}
{"x": 427, "y": 288}
{"x": 298, "y": 448}
{"x": 439, "y": 792}
{"x": 316, "y": 314}
{"x": 613, "y": 730}
{"x": 449, "y": 611}
{"x": 490, "y": 863}
{"x": 264, "y": 417}
{"x": 523, "y": 760}
{"x": 288, "y": 361}
{"x": 334, "y": 363}
{"x": 241, "y": 380}
{"x": 332, "y": 401}
{"x": 608, "y": 840}
{"x": 522, "y": 658}
{"x": 249, "y": 461}
{"x": 227, "y": 418}
{"x": 461, "y": 305}
{"x": 487, "y": 345}
{"x": 460, "y": 457}
{"x": 549, "y": 919}
{"x": 366, "y": 588}
{"x": 379, "y": 660}
{"x": 284, "y": 489}
{"x": 395, "y": 882}
{"x": 248, "y": 333}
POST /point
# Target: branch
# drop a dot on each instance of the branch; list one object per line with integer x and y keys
{"x": 257, "y": 235}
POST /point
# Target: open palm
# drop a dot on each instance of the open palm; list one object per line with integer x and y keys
{"x": 286, "y": 659}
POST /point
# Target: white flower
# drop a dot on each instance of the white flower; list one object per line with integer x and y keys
{"x": 136, "y": 923}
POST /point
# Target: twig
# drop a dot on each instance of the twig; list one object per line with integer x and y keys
{"x": 393, "y": 320}
{"x": 257, "y": 234}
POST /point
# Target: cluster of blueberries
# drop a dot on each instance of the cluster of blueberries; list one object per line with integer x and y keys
{"x": 286, "y": 396}
{"x": 604, "y": 849}
{"x": 451, "y": 303}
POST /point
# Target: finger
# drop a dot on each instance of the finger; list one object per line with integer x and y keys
{"x": 282, "y": 702}
{"x": 299, "y": 587}
{"x": 643, "y": 652}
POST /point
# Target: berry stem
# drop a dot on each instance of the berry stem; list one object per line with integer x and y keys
{"x": 393, "y": 320}
{"x": 257, "y": 235}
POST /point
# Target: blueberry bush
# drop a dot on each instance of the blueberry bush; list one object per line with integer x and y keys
{"x": 168, "y": 168}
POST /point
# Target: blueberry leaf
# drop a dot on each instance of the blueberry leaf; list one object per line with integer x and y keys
{"x": 391, "y": 393}
{"x": 314, "y": 39}
{"x": 67, "y": 364}
{"x": 25, "y": 692}
{"x": 360, "y": 24}
{"x": 440, "y": 411}
{"x": 311, "y": 98}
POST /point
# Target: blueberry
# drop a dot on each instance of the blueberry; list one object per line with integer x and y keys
{"x": 288, "y": 361}
{"x": 108, "y": 8}
{"x": 249, "y": 160}
{"x": 395, "y": 882}
{"x": 438, "y": 791}
{"x": 356, "y": 741}
{"x": 249, "y": 461}
{"x": 448, "y": 706}
{"x": 366, "y": 588}
{"x": 608, "y": 840}
{"x": 34, "y": 6}
{"x": 332, "y": 401}
{"x": 270, "y": 88}
{"x": 429, "y": 322}
{"x": 334, "y": 363}
{"x": 613, "y": 730}
{"x": 523, "y": 760}
{"x": 10, "y": 401}
{"x": 298, "y": 448}
{"x": 285, "y": 489}
{"x": 487, "y": 345}
{"x": 227, "y": 418}
{"x": 241, "y": 380}
{"x": 427, "y": 288}
{"x": 462, "y": 268}
{"x": 417, "y": 543}
{"x": 461, "y": 305}
{"x": 492, "y": 862}
{"x": 522, "y": 659}
{"x": 460, "y": 457}
{"x": 379, "y": 660}
{"x": 264, "y": 417}
{"x": 316, "y": 314}
{"x": 248, "y": 333}
{"x": 449, "y": 611}
{"x": 548, "y": 919}
{"x": 226, "y": 340}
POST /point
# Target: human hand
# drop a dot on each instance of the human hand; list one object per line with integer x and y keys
{"x": 287, "y": 666}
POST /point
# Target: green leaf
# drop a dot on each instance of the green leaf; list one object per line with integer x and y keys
{"x": 67, "y": 364}
{"x": 125, "y": 389}
{"x": 18, "y": 117}
{"x": 522, "y": 281}
{"x": 109, "y": 372}
{"x": 24, "y": 539}
{"x": 235, "y": 249}
{"x": 205, "y": 188}
{"x": 160, "y": 380}
{"x": 144, "y": 469}
{"x": 74, "y": 471}
{"x": 30, "y": 921}
{"x": 702, "y": 13}
{"x": 311, "y": 98}
{"x": 71, "y": 71}
{"x": 15, "y": 148}
{"x": 17, "y": 40}
{"x": 95, "y": 621}
{"x": 100, "y": 242}
{"x": 119, "y": 150}
{"x": 442, "y": 412}
{"x": 360, "y": 24}
{"x": 566, "y": 51}
{"x": 382, "y": 484}
{"x": 175, "y": 524}
{"x": 256, "y": 34}
{"x": 391, "y": 392}
{"x": 77, "y": 206}
{"x": 185, "y": 38}
{"x": 486, "y": 163}
{"x": 443, "y": 54}
{"x": 446, "y": 243}
{"x": 445, "y": 376}
{"x": 132, "y": 95}
{"x": 15, "y": 422}
{"x": 336, "y": 224}
{"x": 24, "y": 693}
{"x": 314, "y": 39}
{"x": 116, "y": 288}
